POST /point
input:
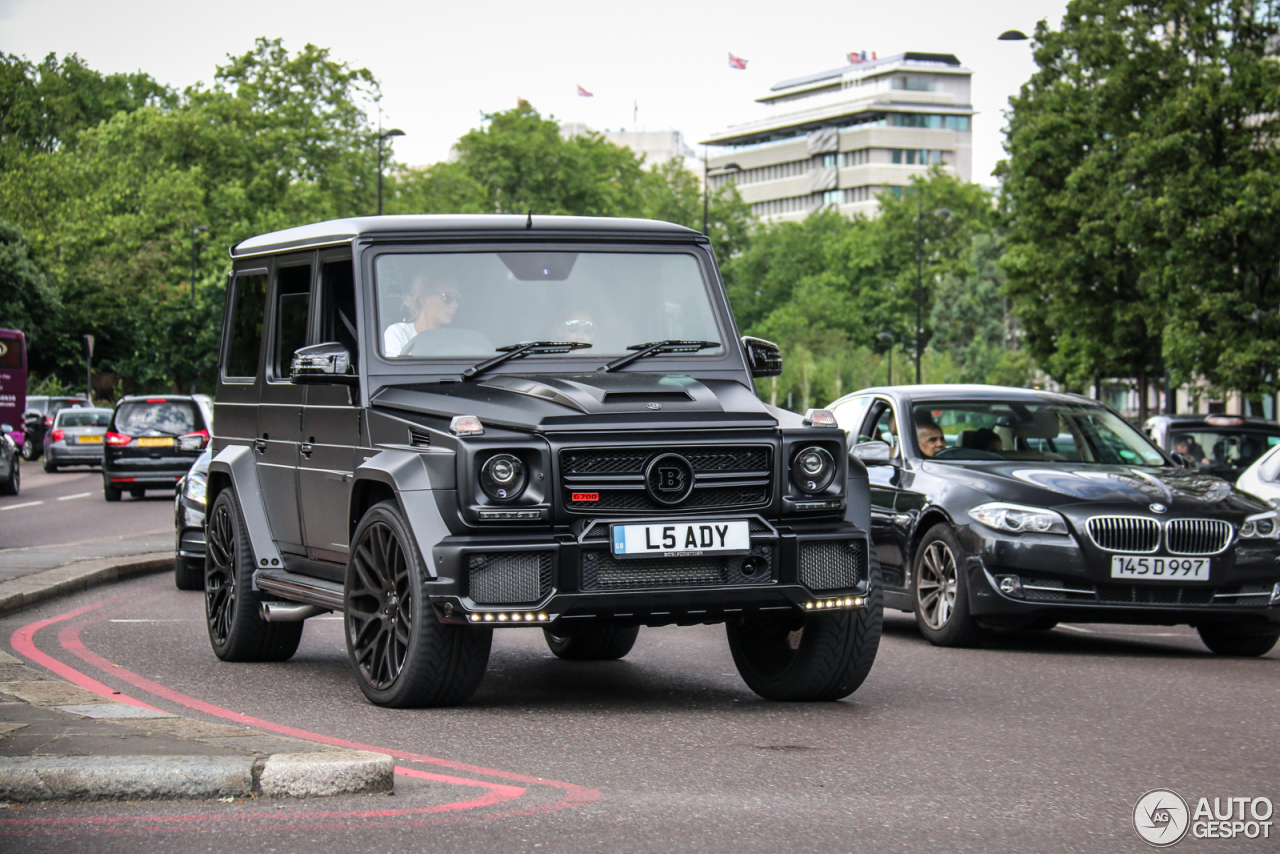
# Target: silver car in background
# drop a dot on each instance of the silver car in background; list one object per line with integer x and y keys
{"x": 1262, "y": 478}
{"x": 76, "y": 437}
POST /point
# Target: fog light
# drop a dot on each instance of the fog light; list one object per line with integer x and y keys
{"x": 1275, "y": 594}
{"x": 1010, "y": 585}
{"x": 542, "y": 617}
{"x": 488, "y": 618}
{"x": 502, "y": 618}
{"x": 857, "y": 603}
{"x": 808, "y": 606}
{"x": 475, "y": 618}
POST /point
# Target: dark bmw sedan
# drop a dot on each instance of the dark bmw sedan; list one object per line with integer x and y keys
{"x": 1004, "y": 507}
{"x": 151, "y": 443}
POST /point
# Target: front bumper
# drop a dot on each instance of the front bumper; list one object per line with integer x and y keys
{"x": 189, "y": 541}
{"x": 1053, "y": 579}
{"x": 564, "y": 580}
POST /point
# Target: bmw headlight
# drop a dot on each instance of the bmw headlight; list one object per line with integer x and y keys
{"x": 1017, "y": 519}
{"x": 1261, "y": 526}
{"x": 813, "y": 469}
{"x": 197, "y": 485}
{"x": 503, "y": 477}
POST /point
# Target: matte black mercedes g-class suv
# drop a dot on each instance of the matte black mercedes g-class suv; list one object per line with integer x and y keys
{"x": 443, "y": 425}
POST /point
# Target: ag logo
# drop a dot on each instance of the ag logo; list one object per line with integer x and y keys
{"x": 668, "y": 479}
{"x": 1161, "y": 817}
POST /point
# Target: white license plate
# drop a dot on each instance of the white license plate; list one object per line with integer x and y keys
{"x": 1160, "y": 568}
{"x": 681, "y": 539}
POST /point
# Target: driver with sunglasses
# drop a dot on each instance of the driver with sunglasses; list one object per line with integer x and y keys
{"x": 430, "y": 304}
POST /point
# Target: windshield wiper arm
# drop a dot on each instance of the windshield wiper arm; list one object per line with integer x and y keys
{"x": 519, "y": 351}
{"x": 653, "y": 348}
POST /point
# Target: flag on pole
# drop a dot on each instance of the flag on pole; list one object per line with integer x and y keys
{"x": 859, "y": 57}
{"x": 737, "y": 62}
{"x": 583, "y": 93}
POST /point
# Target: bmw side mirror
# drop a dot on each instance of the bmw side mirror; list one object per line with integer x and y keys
{"x": 322, "y": 364}
{"x": 874, "y": 453}
{"x": 764, "y": 358}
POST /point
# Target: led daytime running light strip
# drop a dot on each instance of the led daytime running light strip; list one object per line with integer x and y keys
{"x": 828, "y": 604}
{"x": 509, "y": 618}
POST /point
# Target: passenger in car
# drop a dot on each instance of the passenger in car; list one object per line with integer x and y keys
{"x": 982, "y": 439}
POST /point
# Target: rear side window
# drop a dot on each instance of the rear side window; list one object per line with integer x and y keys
{"x": 84, "y": 418}
{"x": 245, "y": 345}
{"x": 171, "y": 418}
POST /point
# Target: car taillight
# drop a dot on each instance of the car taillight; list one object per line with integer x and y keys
{"x": 117, "y": 439}
{"x": 193, "y": 441}
{"x": 48, "y": 421}
{"x": 58, "y": 435}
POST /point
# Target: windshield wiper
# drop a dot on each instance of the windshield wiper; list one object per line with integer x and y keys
{"x": 519, "y": 351}
{"x": 654, "y": 348}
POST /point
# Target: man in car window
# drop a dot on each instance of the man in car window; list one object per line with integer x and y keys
{"x": 930, "y": 437}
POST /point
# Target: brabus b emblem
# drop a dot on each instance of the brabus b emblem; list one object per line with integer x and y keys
{"x": 668, "y": 479}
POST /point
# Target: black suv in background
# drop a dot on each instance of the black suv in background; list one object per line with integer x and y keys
{"x": 37, "y": 420}
{"x": 1220, "y": 445}
{"x": 151, "y": 443}
{"x": 446, "y": 425}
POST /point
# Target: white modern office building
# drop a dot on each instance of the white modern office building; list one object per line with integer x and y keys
{"x": 840, "y": 138}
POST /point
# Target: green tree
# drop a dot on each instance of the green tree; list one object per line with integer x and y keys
{"x": 28, "y": 301}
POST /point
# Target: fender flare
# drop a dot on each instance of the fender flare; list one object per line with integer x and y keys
{"x": 237, "y": 464}
{"x": 407, "y": 476}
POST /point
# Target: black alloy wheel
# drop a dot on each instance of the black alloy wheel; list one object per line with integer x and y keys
{"x": 402, "y": 655}
{"x": 941, "y": 591}
{"x": 237, "y": 631}
{"x": 29, "y": 448}
{"x": 1229, "y": 640}
{"x": 109, "y": 492}
{"x": 596, "y": 643}
{"x": 809, "y": 657}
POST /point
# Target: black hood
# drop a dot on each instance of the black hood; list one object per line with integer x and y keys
{"x": 605, "y": 401}
{"x": 1120, "y": 488}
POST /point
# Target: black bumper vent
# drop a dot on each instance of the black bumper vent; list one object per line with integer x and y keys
{"x": 1163, "y": 595}
{"x": 601, "y": 571}
{"x": 832, "y": 565}
{"x": 509, "y": 578}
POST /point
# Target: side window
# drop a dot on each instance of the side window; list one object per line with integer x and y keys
{"x": 338, "y": 306}
{"x": 850, "y": 414}
{"x": 245, "y": 343}
{"x": 293, "y": 298}
{"x": 882, "y": 427}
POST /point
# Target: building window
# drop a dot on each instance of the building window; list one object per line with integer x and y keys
{"x": 829, "y": 160}
{"x": 916, "y": 156}
{"x": 781, "y": 206}
{"x": 913, "y": 83}
{"x": 857, "y": 158}
{"x": 832, "y": 197}
{"x": 854, "y": 195}
{"x": 929, "y": 121}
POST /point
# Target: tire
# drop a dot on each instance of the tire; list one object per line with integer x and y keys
{"x": 809, "y": 657}
{"x": 402, "y": 655}
{"x": 13, "y": 484}
{"x": 188, "y": 575}
{"x": 1228, "y": 640}
{"x": 138, "y": 493}
{"x": 941, "y": 592}
{"x": 596, "y": 643}
{"x": 233, "y": 616}
{"x": 29, "y": 452}
{"x": 109, "y": 492}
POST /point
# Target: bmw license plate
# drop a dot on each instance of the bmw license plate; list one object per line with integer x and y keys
{"x": 1160, "y": 568}
{"x": 681, "y": 539}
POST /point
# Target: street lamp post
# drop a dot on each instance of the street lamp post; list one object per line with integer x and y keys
{"x": 382, "y": 137}
{"x": 194, "y": 257}
{"x": 727, "y": 169}
{"x": 887, "y": 337}
{"x": 942, "y": 212}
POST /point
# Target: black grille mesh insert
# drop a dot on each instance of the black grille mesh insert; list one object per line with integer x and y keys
{"x": 1134, "y": 534}
{"x": 509, "y": 578}
{"x": 1197, "y": 536}
{"x": 749, "y": 466}
{"x": 831, "y": 565}
{"x": 601, "y": 571}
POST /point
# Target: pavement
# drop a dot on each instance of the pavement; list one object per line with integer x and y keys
{"x": 59, "y": 741}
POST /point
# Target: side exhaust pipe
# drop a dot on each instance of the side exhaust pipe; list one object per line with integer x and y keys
{"x": 289, "y": 612}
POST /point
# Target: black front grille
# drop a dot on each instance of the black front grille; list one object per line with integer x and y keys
{"x": 602, "y": 571}
{"x": 1197, "y": 536}
{"x": 1131, "y": 534}
{"x": 509, "y": 578}
{"x": 612, "y": 480}
{"x": 831, "y": 565}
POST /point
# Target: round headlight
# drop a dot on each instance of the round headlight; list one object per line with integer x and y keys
{"x": 813, "y": 469}
{"x": 503, "y": 477}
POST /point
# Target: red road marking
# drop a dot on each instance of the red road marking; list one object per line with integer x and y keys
{"x": 23, "y": 641}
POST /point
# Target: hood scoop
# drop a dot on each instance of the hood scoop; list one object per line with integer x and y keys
{"x": 533, "y": 388}
{"x": 634, "y": 397}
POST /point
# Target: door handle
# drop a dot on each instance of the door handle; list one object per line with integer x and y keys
{"x": 306, "y": 449}
{"x": 260, "y": 445}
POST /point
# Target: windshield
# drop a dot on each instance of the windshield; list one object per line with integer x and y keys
{"x": 1223, "y": 450}
{"x": 1044, "y": 432}
{"x": 172, "y": 417}
{"x": 466, "y": 305}
{"x": 84, "y": 418}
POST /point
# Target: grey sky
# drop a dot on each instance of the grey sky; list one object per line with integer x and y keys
{"x": 442, "y": 64}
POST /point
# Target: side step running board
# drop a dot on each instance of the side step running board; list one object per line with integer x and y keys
{"x": 301, "y": 588}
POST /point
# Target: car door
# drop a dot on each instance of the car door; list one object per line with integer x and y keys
{"x": 240, "y": 362}
{"x": 889, "y": 525}
{"x": 331, "y": 423}
{"x": 280, "y": 404}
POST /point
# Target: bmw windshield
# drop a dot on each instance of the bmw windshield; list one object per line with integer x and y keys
{"x": 466, "y": 305}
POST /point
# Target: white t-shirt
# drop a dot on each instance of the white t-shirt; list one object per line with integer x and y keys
{"x": 396, "y": 336}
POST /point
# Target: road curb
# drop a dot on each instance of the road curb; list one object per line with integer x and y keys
{"x": 28, "y": 590}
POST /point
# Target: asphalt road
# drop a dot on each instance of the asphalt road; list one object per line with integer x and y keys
{"x": 1039, "y": 742}
{"x": 67, "y": 507}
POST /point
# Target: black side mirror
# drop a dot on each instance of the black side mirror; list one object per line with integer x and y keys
{"x": 322, "y": 364}
{"x": 874, "y": 453}
{"x": 764, "y": 358}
